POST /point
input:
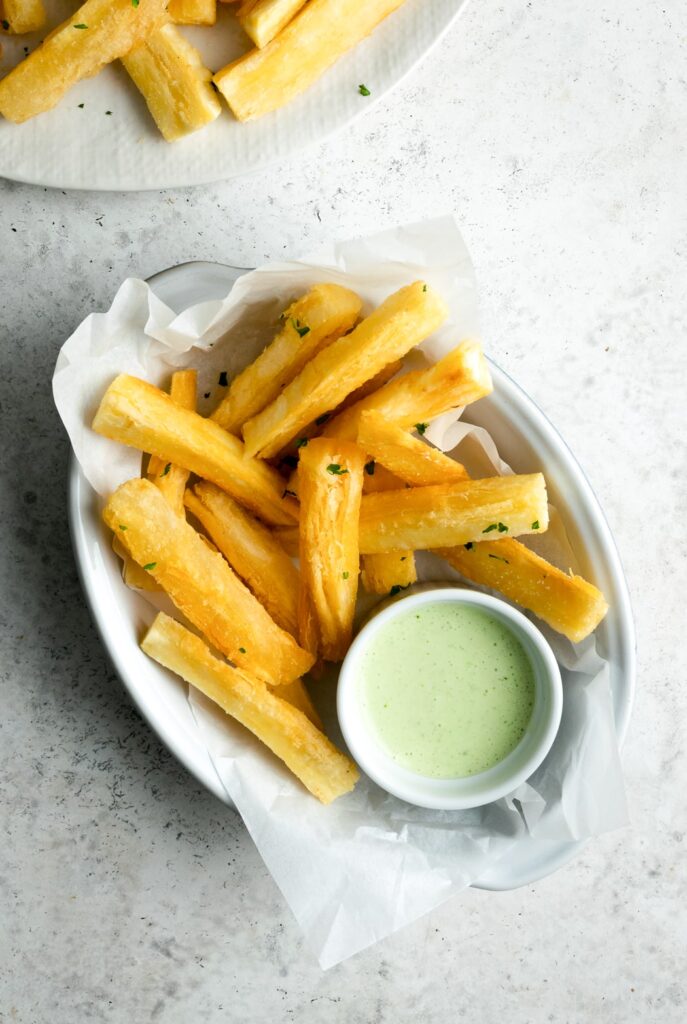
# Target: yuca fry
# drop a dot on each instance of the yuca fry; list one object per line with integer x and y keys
{"x": 314, "y": 428}
{"x": 288, "y": 733}
{"x": 331, "y": 481}
{"x": 296, "y": 693}
{"x": 388, "y": 573}
{"x": 383, "y": 573}
{"x": 170, "y": 75}
{"x": 251, "y": 551}
{"x": 262, "y": 20}
{"x": 98, "y": 33}
{"x": 140, "y": 415}
{"x": 20, "y": 16}
{"x": 402, "y": 321}
{"x": 458, "y": 379}
{"x": 567, "y": 603}
{"x": 201, "y": 584}
{"x": 169, "y": 478}
{"x": 409, "y": 458}
{"x": 193, "y": 12}
{"x": 309, "y": 324}
{"x": 266, "y": 79}
{"x": 461, "y": 513}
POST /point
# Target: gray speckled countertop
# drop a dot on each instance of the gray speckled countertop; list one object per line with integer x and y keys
{"x": 556, "y": 132}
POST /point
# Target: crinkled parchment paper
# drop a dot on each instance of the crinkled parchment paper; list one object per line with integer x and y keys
{"x": 363, "y": 867}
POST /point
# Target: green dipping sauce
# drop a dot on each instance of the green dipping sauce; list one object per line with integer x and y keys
{"x": 447, "y": 689}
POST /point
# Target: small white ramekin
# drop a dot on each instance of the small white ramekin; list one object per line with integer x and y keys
{"x": 473, "y": 790}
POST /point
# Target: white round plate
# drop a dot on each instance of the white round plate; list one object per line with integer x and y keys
{"x": 525, "y": 439}
{"x": 80, "y": 145}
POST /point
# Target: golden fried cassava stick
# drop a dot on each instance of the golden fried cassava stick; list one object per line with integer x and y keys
{"x": 201, "y": 584}
{"x": 262, "y": 20}
{"x": 251, "y": 550}
{"x": 309, "y": 324}
{"x": 20, "y": 16}
{"x": 402, "y": 321}
{"x": 410, "y": 459}
{"x": 170, "y": 75}
{"x": 193, "y": 12}
{"x": 140, "y": 415}
{"x": 266, "y": 79}
{"x": 469, "y": 511}
{"x": 565, "y": 602}
{"x": 458, "y": 379}
{"x": 331, "y": 481}
{"x": 95, "y": 35}
{"x": 288, "y": 733}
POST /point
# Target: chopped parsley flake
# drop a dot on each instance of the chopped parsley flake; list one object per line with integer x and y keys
{"x": 335, "y": 469}
{"x": 122, "y": 526}
{"x": 421, "y": 427}
{"x": 242, "y": 650}
{"x": 81, "y": 106}
{"x": 345, "y": 575}
{"x": 135, "y": 3}
{"x": 322, "y": 419}
{"x": 5, "y": 25}
{"x": 300, "y": 328}
{"x": 397, "y": 588}
{"x": 166, "y": 470}
{"x": 301, "y": 442}
{"x": 469, "y": 546}
{"x": 108, "y": 113}
{"x": 492, "y": 526}
{"x": 502, "y": 528}
{"x": 424, "y": 287}
{"x": 223, "y": 380}
{"x": 206, "y": 395}
{"x": 81, "y": 26}
{"x": 535, "y": 524}
{"x": 403, "y": 558}
{"x": 149, "y": 566}
{"x": 370, "y": 467}
{"x": 363, "y": 90}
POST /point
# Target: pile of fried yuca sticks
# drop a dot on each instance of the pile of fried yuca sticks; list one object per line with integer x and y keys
{"x": 295, "y": 42}
{"x": 324, "y": 402}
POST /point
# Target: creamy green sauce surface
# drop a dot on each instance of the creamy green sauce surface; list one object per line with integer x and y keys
{"x": 447, "y": 689}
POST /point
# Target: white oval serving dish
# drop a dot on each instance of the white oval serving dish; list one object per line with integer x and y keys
{"x": 525, "y": 439}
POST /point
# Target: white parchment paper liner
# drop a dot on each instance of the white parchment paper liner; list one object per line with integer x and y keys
{"x": 358, "y": 870}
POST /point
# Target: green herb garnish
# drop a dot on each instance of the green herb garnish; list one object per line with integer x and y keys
{"x": 81, "y": 26}
{"x": 397, "y": 588}
{"x": 5, "y": 25}
{"x": 421, "y": 427}
{"x": 322, "y": 419}
{"x": 135, "y": 3}
{"x": 370, "y": 467}
{"x": 123, "y": 527}
{"x": 223, "y": 379}
{"x": 469, "y": 546}
{"x": 345, "y": 575}
{"x": 166, "y": 470}
{"x": 335, "y": 469}
{"x": 363, "y": 90}
{"x": 492, "y": 526}
{"x": 424, "y": 287}
{"x": 206, "y": 394}
{"x": 535, "y": 524}
{"x": 149, "y": 566}
{"x": 81, "y": 106}
{"x": 300, "y": 328}
{"x": 301, "y": 442}
{"x": 502, "y": 528}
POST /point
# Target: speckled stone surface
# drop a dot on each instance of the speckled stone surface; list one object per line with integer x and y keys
{"x": 556, "y": 133}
